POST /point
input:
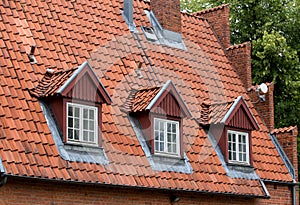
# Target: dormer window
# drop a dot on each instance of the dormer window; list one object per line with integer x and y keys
{"x": 82, "y": 123}
{"x": 160, "y": 111}
{"x": 72, "y": 102}
{"x": 238, "y": 147}
{"x": 231, "y": 123}
{"x": 166, "y": 137}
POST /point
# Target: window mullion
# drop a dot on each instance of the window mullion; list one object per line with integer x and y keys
{"x": 165, "y": 137}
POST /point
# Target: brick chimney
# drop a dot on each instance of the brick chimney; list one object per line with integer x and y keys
{"x": 265, "y": 108}
{"x": 218, "y": 18}
{"x": 287, "y": 138}
{"x": 167, "y": 13}
{"x": 240, "y": 58}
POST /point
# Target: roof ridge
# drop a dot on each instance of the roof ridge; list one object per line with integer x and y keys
{"x": 238, "y": 45}
{"x": 211, "y": 9}
{"x": 284, "y": 129}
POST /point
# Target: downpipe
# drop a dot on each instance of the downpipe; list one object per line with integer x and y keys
{"x": 3, "y": 179}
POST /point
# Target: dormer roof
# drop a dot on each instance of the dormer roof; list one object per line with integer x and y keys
{"x": 149, "y": 99}
{"x": 81, "y": 83}
{"x": 236, "y": 114}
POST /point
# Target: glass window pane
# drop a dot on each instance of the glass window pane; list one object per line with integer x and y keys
{"x": 70, "y": 110}
{"x": 174, "y": 138}
{"x": 169, "y": 137}
{"x": 161, "y": 148}
{"x": 91, "y": 136}
{"x": 161, "y": 138}
{"x": 169, "y": 127}
{"x": 156, "y": 135}
{"x": 174, "y": 148}
{"x": 161, "y": 126}
{"x": 70, "y": 122}
{"x": 85, "y": 124}
{"x": 156, "y": 146}
{"x": 76, "y": 134}
{"x": 85, "y": 135}
{"x": 85, "y": 113}
{"x": 174, "y": 128}
{"x": 76, "y": 114}
{"x": 91, "y": 126}
{"x": 76, "y": 123}
{"x": 156, "y": 125}
{"x": 92, "y": 114}
{"x": 70, "y": 134}
{"x": 169, "y": 147}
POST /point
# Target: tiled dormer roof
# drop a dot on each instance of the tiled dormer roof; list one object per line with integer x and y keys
{"x": 67, "y": 34}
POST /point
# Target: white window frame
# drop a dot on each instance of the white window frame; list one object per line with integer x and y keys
{"x": 165, "y": 141}
{"x": 238, "y": 148}
{"x": 81, "y": 139}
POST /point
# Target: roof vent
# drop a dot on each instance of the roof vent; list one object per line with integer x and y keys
{"x": 149, "y": 33}
{"x": 128, "y": 15}
{"x": 31, "y": 56}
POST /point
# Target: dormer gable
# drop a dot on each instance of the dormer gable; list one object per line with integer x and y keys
{"x": 240, "y": 116}
{"x": 164, "y": 100}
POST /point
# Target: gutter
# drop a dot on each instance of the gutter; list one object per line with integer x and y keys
{"x": 140, "y": 187}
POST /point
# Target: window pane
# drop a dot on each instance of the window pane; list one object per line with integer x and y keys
{"x": 156, "y": 135}
{"x": 91, "y": 136}
{"x": 76, "y": 134}
{"x": 92, "y": 114}
{"x": 174, "y": 138}
{"x": 169, "y": 127}
{"x": 156, "y": 125}
{"x": 85, "y": 113}
{"x": 70, "y": 110}
{"x": 161, "y": 138}
{"x": 161, "y": 148}
{"x": 91, "y": 125}
{"x": 161, "y": 126}
{"x": 169, "y": 147}
{"x": 174, "y": 128}
{"x": 85, "y": 135}
{"x": 85, "y": 124}
{"x": 70, "y": 122}
{"x": 76, "y": 114}
{"x": 76, "y": 124}
{"x": 70, "y": 134}
{"x": 169, "y": 137}
{"x": 156, "y": 146}
{"x": 174, "y": 148}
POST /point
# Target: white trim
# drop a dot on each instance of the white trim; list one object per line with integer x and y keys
{"x": 81, "y": 130}
{"x": 165, "y": 142}
{"x": 237, "y": 149}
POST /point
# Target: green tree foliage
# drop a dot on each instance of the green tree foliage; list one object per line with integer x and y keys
{"x": 273, "y": 27}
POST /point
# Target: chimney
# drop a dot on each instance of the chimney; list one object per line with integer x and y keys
{"x": 240, "y": 58}
{"x": 168, "y": 14}
{"x": 264, "y": 104}
{"x": 218, "y": 18}
{"x": 287, "y": 138}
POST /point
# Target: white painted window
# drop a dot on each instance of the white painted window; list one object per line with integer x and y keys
{"x": 166, "y": 137}
{"x": 238, "y": 147}
{"x": 82, "y": 123}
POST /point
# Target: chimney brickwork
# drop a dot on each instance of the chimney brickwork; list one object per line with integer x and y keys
{"x": 167, "y": 13}
{"x": 240, "y": 58}
{"x": 265, "y": 108}
{"x": 287, "y": 138}
{"x": 218, "y": 18}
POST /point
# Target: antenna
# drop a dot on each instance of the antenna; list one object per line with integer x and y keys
{"x": 262, "y": 88}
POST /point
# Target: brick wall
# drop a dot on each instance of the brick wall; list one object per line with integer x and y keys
{"x": 240, "y": 58}
{"x": 266, "y": 108}
{"x": 25, "y": 191}
{"x": 218, "y": 18}
{"x": 288, "y": 141}
{"x": 168, "y": 14}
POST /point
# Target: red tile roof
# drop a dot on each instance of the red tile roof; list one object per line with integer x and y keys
{"x": 284, "y": 129}
{"x": 143, "y": 97}
{"x": 66, "y": 35}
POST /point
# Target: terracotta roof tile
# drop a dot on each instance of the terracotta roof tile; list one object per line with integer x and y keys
{"x": 67, "y": 35}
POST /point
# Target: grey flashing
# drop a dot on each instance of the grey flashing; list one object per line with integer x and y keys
{"x": 2, "y": 168}
{"x": 265, "y": 188}
{"x": 160, "y": 163}
{"x": 283, "y": 156}
{"x": 164, "y": 36}
{"x": 70, "y": 152}
{"x": 233, "y": 171}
